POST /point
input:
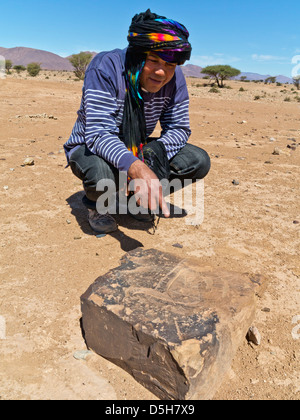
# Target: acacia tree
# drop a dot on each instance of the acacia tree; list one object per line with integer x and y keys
{"x": 80, "y": 63}
{"x": 270, "y": 79}
{"x": 221, "y": 73}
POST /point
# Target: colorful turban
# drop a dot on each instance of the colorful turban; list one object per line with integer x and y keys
{"x": 169, "y": 40}
{"x": 150, "y": 32}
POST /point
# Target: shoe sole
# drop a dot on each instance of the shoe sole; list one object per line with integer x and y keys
{"x": 104, "y": 230}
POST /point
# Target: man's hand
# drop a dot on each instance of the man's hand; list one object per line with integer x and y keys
{"x": 148, "y": 192}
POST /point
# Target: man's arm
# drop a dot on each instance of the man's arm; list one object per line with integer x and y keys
{"x": 101, "y": 125}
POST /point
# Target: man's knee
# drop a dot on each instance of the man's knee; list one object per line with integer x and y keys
{"x": 204, "y": 164}
{"x": 191, "y": 162}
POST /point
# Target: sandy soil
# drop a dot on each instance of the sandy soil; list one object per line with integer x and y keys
{"x": 49, "y": 255}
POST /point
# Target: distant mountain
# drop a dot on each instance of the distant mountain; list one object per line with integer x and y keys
{"x": 24, "y": 56}
{"x": 50, "y": 61}
{"x": 191, "y": 70}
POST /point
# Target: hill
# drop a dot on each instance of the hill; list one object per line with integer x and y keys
{"x": 24, "y": 56}
{"x": 51, "y": 61}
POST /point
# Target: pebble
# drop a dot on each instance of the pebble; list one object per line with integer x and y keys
{"x": 236, "y": 182}
{"x": 272, "y": 139}
{"x": 28, "y": 162}
{"x": 296, "y": 222}
{"x": 177, "y": 245}
{"x": 254, "y": 336}
{"x": 292, "y": 146}
{"x": 81, "y": 354}
{"x": 5, "y": 187}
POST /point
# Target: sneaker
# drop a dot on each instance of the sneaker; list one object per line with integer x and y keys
{"x": 101, "y": 223}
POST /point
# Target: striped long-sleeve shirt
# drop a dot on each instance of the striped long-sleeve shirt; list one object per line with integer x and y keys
{"x": 101, "y": 112}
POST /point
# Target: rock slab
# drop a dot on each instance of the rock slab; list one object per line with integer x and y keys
{"x": 173, "y": 324}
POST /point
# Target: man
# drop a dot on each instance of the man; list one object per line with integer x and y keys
{"x": 125, "y": 93}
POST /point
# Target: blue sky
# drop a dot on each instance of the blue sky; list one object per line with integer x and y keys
{"x": 253, "y": 36}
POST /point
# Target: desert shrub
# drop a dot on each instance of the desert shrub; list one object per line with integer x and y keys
{"x": 242, "y": 89}
{"x": 257, "y": 97}
{"x": 33, "y": 69}
{"x": 214, "y": 90}
{"x": 19, "y": 68}
{"x": 8, "y": 66}
{"x": 287, "y": 99}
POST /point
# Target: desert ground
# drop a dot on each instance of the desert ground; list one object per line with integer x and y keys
{"x": 50, "y": 256}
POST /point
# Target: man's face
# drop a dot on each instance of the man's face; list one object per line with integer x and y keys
{"x": 156, "y": 73}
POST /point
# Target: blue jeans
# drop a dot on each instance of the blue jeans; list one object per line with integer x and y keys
{"x": 191, "y": 162}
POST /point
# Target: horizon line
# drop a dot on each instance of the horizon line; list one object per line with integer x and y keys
{"x": 97, "y": 52}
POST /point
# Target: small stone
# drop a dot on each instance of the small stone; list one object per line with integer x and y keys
{"x": 276, "y": 151}
{"x": 5, "y": 187}
{"x": 28, "y": 162}
{"x": 81, "y": 354}
{"x": 272, "y": 139}
{"x": 177, "y": 245}
{"x": 254, "y": 336}
{"x": 68, "y": 221}
{"x": 77, "y": 237}
{"x": 266, "y": 310}
{"x": 296, "y": 222}
{"x": 236, "y": 182}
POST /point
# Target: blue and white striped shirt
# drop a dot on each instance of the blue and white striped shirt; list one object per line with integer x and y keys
{"x": 101, "y": 112}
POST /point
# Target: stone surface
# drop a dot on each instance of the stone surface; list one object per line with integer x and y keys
{"x": 170, "y": 322}
{"x": 254, "y": 336}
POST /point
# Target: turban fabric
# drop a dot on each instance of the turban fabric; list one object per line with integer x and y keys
{"x": 166, "y": 38}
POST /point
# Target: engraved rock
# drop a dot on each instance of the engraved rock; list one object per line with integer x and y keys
{"x": 173, "y": 324}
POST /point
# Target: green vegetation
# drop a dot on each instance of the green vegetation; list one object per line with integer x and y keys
{"x": 33, "y": 69}
{"x": 19, "y": 68}
{"x": 80, "y": 63}
{"x": 221, "y": 73}
{"x": 8, "y": 66}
